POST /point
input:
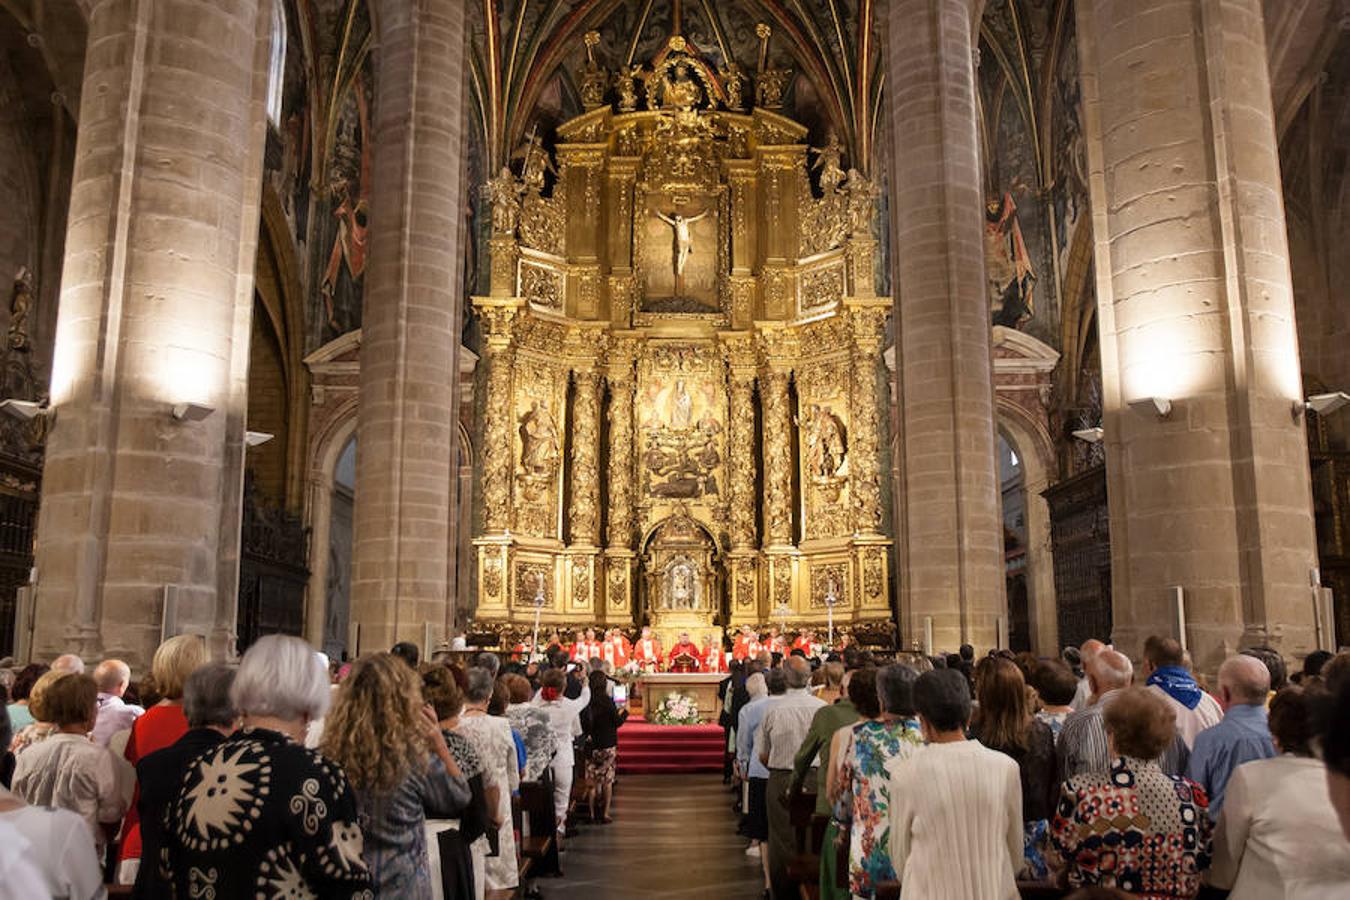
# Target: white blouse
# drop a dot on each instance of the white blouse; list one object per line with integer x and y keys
{"x": 62, "y": 850}
{"x": 69, "y": 771}
{"x": 956, "y": 823}
{"x": 1278, "y": 837}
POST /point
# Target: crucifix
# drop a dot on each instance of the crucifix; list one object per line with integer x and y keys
{"x": 684, "y": 240}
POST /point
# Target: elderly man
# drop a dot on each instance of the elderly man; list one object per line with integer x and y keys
{"x": 68, "y": 662}
{"x": 781, "y": 735}
{"x": 1082, "y": 698}
{"x": 763, "y": 689}
{"x": 1241, "y": 737}
{"x": 113, "y": 677}
{"x": 1165, "y": 668}
{"x": 1082, "y": 746}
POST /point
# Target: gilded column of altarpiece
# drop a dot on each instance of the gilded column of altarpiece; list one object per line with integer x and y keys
{"x": 683, "y": 386}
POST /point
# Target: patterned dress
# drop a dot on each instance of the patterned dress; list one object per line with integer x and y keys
{"x": 491, "y": 737}
{"x": 261, "y": 816}
{"x": 1135, "y": 828}
{"x": 875, "y": 752}
{"x": 535, "y": 729}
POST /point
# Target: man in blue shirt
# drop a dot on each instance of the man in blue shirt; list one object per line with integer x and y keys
{"x": 1240, "y": 737}
{"x": 748, "y": 762}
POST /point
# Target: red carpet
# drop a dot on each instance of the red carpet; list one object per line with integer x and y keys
{"x": 647, "y": 749}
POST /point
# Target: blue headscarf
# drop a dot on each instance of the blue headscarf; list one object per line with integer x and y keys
{"x": 1178, "y": 684}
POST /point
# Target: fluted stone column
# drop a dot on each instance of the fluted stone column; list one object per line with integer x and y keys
{"x": 584, "y": 515}
{"x": 1195, "y": 307}
{"x": 156, "y": 299}
{"x": 950, "y": 541}
{"x": 411, "y": 327}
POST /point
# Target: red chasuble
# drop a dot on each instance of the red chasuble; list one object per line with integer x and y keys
{"x": 687, "y": 647}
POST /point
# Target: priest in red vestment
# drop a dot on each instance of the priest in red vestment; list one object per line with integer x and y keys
{"x": 685, "y": 647}
{"x": 741, "y": 649}
{"x": 614, "y": 651}
{"x": 714, "y": 656}
{"x": 647, "y": 651}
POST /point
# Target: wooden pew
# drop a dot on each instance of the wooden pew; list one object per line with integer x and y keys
{"x": 809, "y": 833}
{"x": 539, "y": 834}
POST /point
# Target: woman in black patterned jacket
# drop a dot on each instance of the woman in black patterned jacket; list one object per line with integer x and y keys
{"x": 260, "y": 815}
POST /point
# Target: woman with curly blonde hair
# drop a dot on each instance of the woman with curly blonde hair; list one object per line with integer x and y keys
{"x": 391, "y": 748}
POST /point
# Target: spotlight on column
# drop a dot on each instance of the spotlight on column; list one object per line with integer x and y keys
{"x": 1090, "y": 435}
{"x": 26, "y": 410}
{"x": 1326, "y": 404}
{"x": 1161, "y": 406}
{"x": 192, "y": 412}
{"x": 257, "y": 438}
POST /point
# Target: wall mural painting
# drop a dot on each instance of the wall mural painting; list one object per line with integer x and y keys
{"x": 341, "y": 232}
{"x": 1068, "y": 187}
{"x": 1020, "y": 261}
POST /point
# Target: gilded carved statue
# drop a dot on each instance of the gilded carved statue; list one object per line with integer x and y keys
{"x": 826, "y": 443}
{"x": 503, "y": 192}
{"x": 684, "y": 239}
{"x": 539, "y": 441}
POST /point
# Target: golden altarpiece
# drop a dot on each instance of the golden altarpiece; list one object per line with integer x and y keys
{"x": 684, "y": 385}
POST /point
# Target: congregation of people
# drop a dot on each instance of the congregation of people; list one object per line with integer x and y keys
{"x": 288, "y": 776}
{"x": 1089, "y": 775}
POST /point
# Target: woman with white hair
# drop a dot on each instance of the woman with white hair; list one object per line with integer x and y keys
{"x": 491, "y": 737}
{"x": 260, "y": 814}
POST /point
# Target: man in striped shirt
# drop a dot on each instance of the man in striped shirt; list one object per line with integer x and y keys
{"x": 1082, "y": 746}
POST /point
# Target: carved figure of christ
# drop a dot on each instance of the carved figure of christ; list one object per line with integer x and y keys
{"x": 684, "y": 240}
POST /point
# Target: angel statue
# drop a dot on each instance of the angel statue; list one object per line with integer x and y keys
{"x": 684, "y": 240}
{"x": 503, "y": 192}
{"x": 828, "y": 161}
{"x": 536, "y": 165}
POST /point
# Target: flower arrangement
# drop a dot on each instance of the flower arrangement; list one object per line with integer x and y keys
{"x": 676, "y": 709}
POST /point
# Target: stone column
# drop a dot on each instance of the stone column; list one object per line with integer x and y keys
{"x": 584, "y": 514}
{"x": 411, "y": 327}
{"x": 156, "y": 300}
{"x": 951, "y": 540}
{"x": 1196, "y": 309}
{"x": 777, "y": 459}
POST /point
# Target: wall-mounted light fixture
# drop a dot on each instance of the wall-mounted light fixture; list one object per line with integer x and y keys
{"x": 1161, "y": 406}
{"x": 1090, "y": 435}
{"x": 1323, "y": 404}
{"x": 192, "y": 412}
{"x": 27, "y": 410}
{"x": 257, "y": 438}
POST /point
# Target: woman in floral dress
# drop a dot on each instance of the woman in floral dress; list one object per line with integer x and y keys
{"x": 491, "y": 736}
{"x": 869, "y": 754}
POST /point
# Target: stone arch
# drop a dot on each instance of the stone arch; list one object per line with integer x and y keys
{"x": 328, "y": 447}
{"x": 1031, "y": 441}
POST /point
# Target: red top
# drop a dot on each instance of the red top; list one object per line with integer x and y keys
{"x": 161, "y": 726}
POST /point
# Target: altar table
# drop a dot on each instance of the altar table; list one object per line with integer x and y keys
{"x": 702, "y": 686}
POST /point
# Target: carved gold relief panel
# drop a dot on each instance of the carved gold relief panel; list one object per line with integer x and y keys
{"x": 539, "y": 416}
{"x": 681, "y": 415}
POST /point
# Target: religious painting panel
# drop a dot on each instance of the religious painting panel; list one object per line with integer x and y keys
{"x": 681, "y": 413}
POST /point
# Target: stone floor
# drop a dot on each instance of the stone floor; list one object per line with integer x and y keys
{"x": 673, "y": 838}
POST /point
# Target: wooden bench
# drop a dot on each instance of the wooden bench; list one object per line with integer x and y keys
{"x": 809, "y": 833}
{"x": 539, "y": 834}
